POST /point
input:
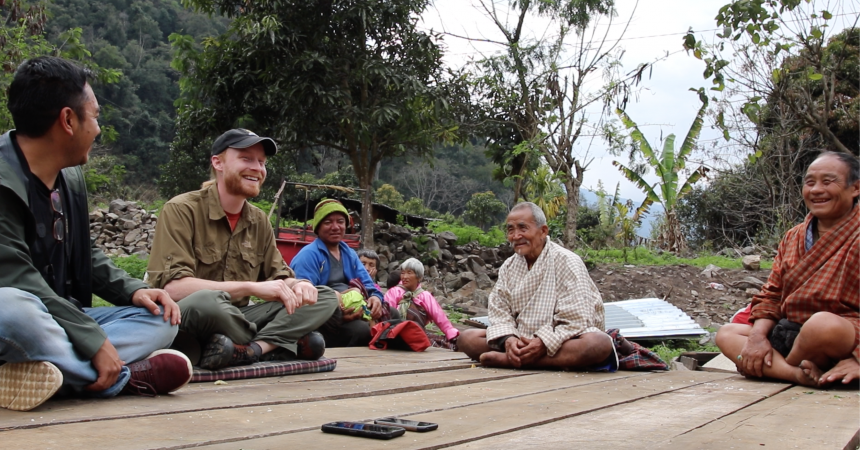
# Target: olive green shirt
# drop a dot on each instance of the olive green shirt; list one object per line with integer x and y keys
{"x": 193, "y": 239}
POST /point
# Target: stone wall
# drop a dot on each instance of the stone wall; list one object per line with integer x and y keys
{"x": 124, "y": 228}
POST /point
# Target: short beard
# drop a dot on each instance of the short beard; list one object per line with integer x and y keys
{"x": 234, "y": 185}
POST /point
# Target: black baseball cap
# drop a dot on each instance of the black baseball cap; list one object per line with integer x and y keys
{"x": 242, "y": 138}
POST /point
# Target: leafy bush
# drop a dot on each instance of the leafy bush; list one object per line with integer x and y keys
{"x": 467, "y": 233}
{"x": 135, "y": 266}
{"x": 645, "y": 257}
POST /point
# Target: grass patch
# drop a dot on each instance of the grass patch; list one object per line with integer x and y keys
{"x": 467, "y": 233}
{"x": 453, "y": 315}
{"x": 135, "y": 266}
{"x": 671, "y": 349}
{"x": 645, "y": 257}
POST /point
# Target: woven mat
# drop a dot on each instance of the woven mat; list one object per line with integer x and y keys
{"x": 264, "y": 369}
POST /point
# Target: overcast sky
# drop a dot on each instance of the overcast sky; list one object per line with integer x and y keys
{"x": 665, "y": 104}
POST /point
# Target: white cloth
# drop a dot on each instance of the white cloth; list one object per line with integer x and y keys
{"x": 555, "y": 300}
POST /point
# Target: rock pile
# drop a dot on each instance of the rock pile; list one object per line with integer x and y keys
{"x": 460, "y": 275}
{"x": 123, "y": 229}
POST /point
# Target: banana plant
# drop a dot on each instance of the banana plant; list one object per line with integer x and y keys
{"x": 668, "y": 189}
{"x": 544, "y": 189}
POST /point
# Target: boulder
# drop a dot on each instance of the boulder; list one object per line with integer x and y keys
{"x": 448, "y": 236}
{"x": 132, "y": 237}
{"x": 476, "y": 265}
{"x": 467, "y": 291}
{"x": 118, "y": 206}
{"x": 433, "y": 246}
{"x": 748, "y": 250}
{"x": 483, "y": 281}
{"x": 751, "y": 262}
{"x": 710, "y": 271}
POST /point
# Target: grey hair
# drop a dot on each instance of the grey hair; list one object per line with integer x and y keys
{"x": 369, "y": 254}
{"x": 537, "y": 213}
{"x": 415, "y": 266}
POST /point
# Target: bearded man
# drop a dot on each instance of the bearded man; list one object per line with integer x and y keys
{"x": 808, "y": 309}
{"x": 213, "y": 251}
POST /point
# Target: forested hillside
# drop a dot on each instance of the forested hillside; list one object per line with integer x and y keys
{"x": 132, "y": 36}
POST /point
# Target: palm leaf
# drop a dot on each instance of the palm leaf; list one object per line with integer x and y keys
{"x": 693, "y": 134}
{"x": 688, "y": 185}
{"x": 635, "y": 178}
{"x": 669, "y": 175}
{"x": 639, "y": 138}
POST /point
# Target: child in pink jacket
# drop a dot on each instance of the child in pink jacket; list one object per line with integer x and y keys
{"x": 418, "y": 305}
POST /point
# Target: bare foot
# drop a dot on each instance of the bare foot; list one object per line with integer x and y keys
{"x": 809, "y": 374}
{"x": 495, "y": 359}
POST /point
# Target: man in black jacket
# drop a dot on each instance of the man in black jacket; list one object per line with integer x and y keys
{"x": 49, "y": 268}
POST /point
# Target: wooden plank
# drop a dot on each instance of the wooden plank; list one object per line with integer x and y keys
{"x": 225, "y": 424}
{"x": 645, "y": 421}
{"x": 206, "y": 396}
{"x": 799, "y": 417}
{"x": 363, "y": 364}
{"x": 473, "y": 421}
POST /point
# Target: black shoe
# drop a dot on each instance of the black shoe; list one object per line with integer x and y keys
{"x": 221, "y": 352}
{"x": 311, "y": 346}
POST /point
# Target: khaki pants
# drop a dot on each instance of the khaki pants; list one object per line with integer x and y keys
{"x": 205, "y": 313}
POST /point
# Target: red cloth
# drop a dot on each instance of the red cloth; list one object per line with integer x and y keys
{"x": 826, "y": 278}
{"x": 233, "y": 219}
{"x": 743, "y": 316}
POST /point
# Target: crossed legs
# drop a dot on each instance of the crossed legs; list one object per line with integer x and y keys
{"x": 824, "y": 340}
{"x": 584, "y": 351}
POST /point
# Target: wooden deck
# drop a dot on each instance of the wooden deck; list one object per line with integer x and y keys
{"x": 474, "y": 407}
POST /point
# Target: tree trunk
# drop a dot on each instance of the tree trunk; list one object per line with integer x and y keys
{"x": 366, "y": 183}
{"x": 572, "y": 185}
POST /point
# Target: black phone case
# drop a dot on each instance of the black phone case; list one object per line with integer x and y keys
{"x": 363, "y": 430}
{"x": 410, "y": 425}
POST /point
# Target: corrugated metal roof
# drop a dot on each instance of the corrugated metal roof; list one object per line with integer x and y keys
{"x": 642, "y": 319}
{"x": 651, "y": 318}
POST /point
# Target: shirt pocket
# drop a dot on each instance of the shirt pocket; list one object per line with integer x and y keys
{"x": 249, "y": 265}
{"x": 210, "y": 259}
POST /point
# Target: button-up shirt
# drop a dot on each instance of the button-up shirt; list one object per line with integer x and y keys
{"x": 193, "y": 239}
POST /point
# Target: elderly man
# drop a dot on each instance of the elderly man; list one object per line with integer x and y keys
{"x": 808, "y": 309}
{"x": 50, "y": 335}
{"x": 213, "y": 251}
{"x": 545, "y": 311}
{"x": 330, "y": 262}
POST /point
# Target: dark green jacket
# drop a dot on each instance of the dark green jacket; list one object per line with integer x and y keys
{"x": 90, "y": 271}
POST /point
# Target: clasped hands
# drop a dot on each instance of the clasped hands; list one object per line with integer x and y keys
{"x": 291, "y": 292}
{"x": 522, "y": 351}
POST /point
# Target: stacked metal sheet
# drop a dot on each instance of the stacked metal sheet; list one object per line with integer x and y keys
{"x": 641, "y": 319}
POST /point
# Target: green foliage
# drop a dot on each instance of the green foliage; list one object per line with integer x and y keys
{"x": 22, "y": 37}
{"x": 388, "y": 195}
{"x": 544, "y": 189}
{"x": 643, "y": 256}
{"x": 777, "y": 56}
{"x": 416, "y": 207}
{"x": 484, "y": 208}
{"x": 129, "y": 37}
{"x": 467, "y": 233}
{"x": 672, "y": 349}
{"x": 133, "y": 265}
{"x": 104, "y": 176}
{"x": 357, "y": 76}
{"x": 668, "y": 188}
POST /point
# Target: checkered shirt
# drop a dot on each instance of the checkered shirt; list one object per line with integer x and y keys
{"x": 824, "y": 278}
{"x": 555, "y": 300}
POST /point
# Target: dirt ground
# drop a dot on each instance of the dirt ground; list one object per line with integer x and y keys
{"x": 682, "y": 285}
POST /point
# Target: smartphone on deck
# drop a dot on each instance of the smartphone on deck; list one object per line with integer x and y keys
{"x": 363, "y": 429}
{"x": 409, "y": 425}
